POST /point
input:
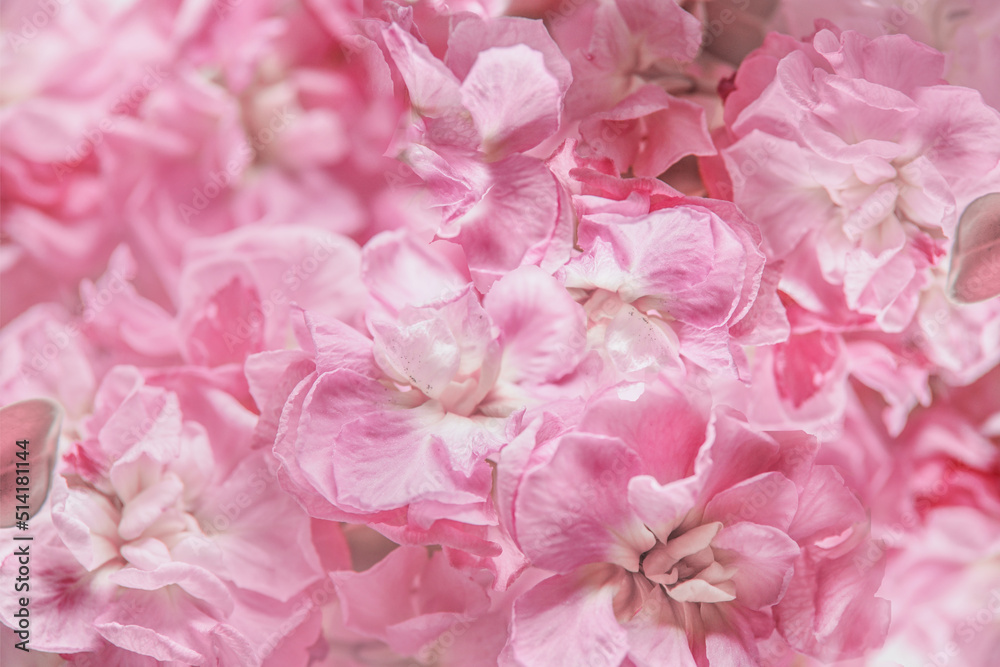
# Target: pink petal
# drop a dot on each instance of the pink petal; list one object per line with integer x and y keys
{"x": 408, "y": 598}
{"x": 737, "y": 452}
{"x": 524, "y": 218}
{"x": 644, "y": 425}
{"x": 830, "y": 610}
{"x": 162, "y": 626}
{"x": 65, "y": 598}
{"x": 635, "y": 342}
{"x": 197, "y": 582}
{"x": 569, "y": 619}
{"x": 662, "y": 507}
{"x": 769, "y": 499}
{"x": 729, "y": 637}
{"x": 474, "y": 35}
{"x": 391, "y": 259}
{"x": 667, "y": 30}
{"x": 573, "y": 510}
{"x": 251, "y": 508}
{"x": 826, "y": 507}
{"x": 675, "y": 132}
{"x": 513, "y": 99}
{"x": 657, "y": 634}
{"x": 763, "y": 557}
{"x": 533, "y": 311}
{"x": 386, "y": 460}
{"x": 434, "y": 90}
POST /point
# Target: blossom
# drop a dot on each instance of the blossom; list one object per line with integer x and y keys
{"x": 473, "y": 121}
{"x": 397, "y": 430}
{"x": 500, "y": 332}
{"x": 688, "y": 553}
{"x": 159, "y": 545}
{"x": 964, "y": 30}
{"x": 846, "y": 152}
{"x": 672, "y": 278}
{"x": 615, "y": 46}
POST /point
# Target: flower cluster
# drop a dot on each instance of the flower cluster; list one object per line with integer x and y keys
{"x": 619, "y": 333}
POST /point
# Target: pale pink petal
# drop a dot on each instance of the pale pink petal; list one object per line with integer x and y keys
{"x": 573, "y": 510}
{"x": 657, "y": 634}
{"x": 160, "y": 626}
{"x": 569, "y": 619}
{"x": 763, "y": 558}
{"x": 391, "y": 259}
{"x": 662, "y": 507}
{"x": 543, "y": 331}
{"x": 473, "y": 35}
{"x": 513, "y": 99}
{"x": 436, "y": 597}
{"x": 254, "y": 509}
{"x": 769, "y": 499}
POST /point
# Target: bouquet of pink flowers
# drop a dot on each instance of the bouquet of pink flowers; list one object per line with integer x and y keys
{"x": 521, "y": 333}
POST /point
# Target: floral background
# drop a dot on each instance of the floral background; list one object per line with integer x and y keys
{"x": 604, "y": 333}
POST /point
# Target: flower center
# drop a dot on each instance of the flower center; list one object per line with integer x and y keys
{"x": 686, "y": 568}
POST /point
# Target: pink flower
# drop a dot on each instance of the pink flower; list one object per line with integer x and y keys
{"x": 45, "y": 354}
{"x": 672, "y": 278}
{"x": 647, "y": 132}
{"x": 964, "y": 30}
{"x": 685, "y": 550}
{"x": 849, "y": 155}
{"x": 497, "y": 94}
{"x": 397, "y": 430}
{"x": 158, "y": 540}
{"x": 935, "y": 519}
{"x": 439, "y": 599}
{"x": 72, "y": 74}
{"x": 238, "y": 290}
{"x": 615, "y": 46}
